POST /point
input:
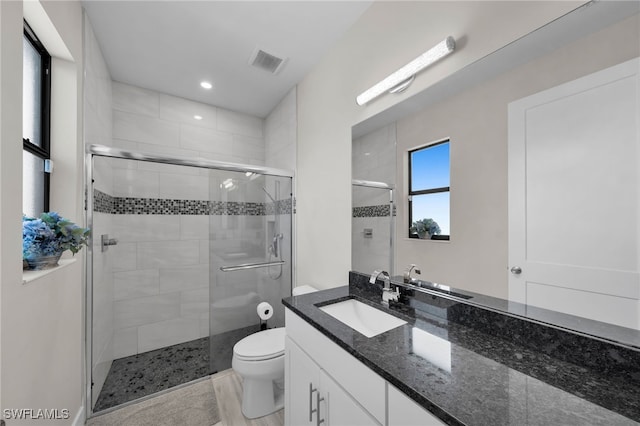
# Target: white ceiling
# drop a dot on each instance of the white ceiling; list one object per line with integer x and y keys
{"x": 170, "y": 46}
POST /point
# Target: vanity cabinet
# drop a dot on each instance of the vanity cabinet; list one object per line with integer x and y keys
{"x": 353, "y": 393}
{"x": 325, "y": 385}
{"x": 315, "y": 398}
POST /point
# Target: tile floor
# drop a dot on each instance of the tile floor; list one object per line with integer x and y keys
{"x": 228, "y": 388}
{"x": 228, "y": 393}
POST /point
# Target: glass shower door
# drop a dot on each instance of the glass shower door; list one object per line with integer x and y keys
{"x": 150, "y": 286}
{"x": 250, "y": 240}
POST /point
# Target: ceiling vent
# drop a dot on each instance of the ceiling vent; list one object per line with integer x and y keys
{"x": 266, "y": 61}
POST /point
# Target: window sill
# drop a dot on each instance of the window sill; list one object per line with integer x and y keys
{"x": 29, "y": 276}
{"x": 422, "y": 239}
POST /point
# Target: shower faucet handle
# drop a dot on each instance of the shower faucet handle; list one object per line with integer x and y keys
{"x": 105, "y": 242}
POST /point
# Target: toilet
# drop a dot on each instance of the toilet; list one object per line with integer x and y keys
{"x": 259, "y": 359}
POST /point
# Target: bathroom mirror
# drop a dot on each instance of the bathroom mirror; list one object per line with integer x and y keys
{"x": 592, "y": 38}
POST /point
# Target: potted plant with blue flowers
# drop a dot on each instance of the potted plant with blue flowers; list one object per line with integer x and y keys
{"x": 44, "y": 239}
{"x": 424, "y": 229}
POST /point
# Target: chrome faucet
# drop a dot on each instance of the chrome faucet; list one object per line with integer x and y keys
{"x": 407, "y": 273}
{"x": 387, "y": 293}
{"x": 385, "y": 277}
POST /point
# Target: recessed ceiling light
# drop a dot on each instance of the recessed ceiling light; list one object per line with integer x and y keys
{"x": 206, "y": 84}
{"x": 197, "y": 117}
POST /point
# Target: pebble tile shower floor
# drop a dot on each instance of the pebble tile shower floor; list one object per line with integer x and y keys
{"x": 140, "y": 375}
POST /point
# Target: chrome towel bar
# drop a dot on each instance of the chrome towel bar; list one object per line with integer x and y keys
{"x": 250, "y": 266}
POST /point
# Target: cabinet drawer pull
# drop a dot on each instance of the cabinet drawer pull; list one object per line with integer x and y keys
{"x": 311, "y": 410}
{"x": 318, "y": 400}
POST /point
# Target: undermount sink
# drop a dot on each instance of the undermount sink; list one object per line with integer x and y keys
{"x": 362, "y": 317}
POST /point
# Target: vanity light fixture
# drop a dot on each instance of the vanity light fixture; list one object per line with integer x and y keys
{"x": 197, "y": 117}
{"x": 206, "y": 85}
{"x": 402, "y": 78}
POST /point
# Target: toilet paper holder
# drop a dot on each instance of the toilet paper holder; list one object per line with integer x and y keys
{"x": 265, "y": 311}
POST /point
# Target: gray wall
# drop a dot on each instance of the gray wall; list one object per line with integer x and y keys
{"x": 42, "y": 323}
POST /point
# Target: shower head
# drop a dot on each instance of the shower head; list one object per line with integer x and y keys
{"x": 273, "y": 248}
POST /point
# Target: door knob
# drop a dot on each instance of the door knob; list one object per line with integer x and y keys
{"x": 516, "y": 270}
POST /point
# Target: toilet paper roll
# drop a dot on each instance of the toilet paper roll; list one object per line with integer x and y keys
{"x": 265, "y": 310}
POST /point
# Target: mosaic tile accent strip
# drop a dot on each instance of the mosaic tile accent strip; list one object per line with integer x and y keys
{"x": 381, "y": 210}
{"x": 130, "y": 205}
{"x": 280, "y": 207}
{"x": 105, "y": 203}
{"x": 102, "y": 202}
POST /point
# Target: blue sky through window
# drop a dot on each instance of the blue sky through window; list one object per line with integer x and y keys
{"x": 429, "y": 170}
{"x": 430, "y": 167}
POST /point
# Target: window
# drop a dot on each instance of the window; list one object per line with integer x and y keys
{"x": 36, "y": 95}
{"x": 429, "y": 192}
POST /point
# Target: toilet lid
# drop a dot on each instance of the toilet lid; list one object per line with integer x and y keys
{"x": 261, "y": 345}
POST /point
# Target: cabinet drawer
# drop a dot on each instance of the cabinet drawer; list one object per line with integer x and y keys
{"x": 358, "y": 380}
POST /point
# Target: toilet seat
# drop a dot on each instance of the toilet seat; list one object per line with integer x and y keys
{"x": 261, "y": 346}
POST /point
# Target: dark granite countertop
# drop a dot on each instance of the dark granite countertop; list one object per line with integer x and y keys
{"x": 468, "y": 375}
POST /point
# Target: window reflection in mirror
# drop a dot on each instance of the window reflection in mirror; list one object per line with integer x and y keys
{"x": 429, "y": 192}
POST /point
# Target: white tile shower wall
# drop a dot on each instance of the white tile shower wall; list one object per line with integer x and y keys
{"x": 281, "y": 130}
{"x": 373, "y": 158}
{"x": 97, "y": 92}
{"x": 160, "y": 334}
{"x": 154, "y": 120}
{"x": 162, "y": 263}
{"x": 373, "y": 253}
{"x": 374, "y": 155}
{"x": 97, "y": 130}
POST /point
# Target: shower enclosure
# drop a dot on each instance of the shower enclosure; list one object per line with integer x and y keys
{"x": 372, "y": 226}
{"x": 183, "y": 252}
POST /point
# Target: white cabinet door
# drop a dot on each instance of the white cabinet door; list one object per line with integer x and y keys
{"x": 574, "y": 197}
{"x": 301, "y": 387}
{"x": 313, "y": 398}
{"x": 338, "y": 408}
{"x": 405, "y": 412}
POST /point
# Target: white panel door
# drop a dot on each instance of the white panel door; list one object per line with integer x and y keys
{"x": 574, "y": 190}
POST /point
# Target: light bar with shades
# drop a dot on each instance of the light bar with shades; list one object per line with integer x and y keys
{"x": 408, "y": 71}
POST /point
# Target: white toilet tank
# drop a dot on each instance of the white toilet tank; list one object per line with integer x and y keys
{"x": 303, "y": 289}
